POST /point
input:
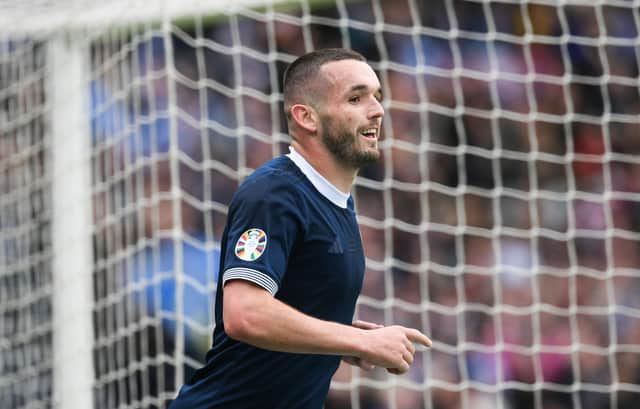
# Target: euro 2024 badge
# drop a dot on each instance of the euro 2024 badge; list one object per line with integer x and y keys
{"x": 251, "y": 245}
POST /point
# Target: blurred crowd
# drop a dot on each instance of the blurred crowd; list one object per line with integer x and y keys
{"x": 503, "y": 219}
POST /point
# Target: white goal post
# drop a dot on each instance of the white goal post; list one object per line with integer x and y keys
{"x": 503, "y": 219}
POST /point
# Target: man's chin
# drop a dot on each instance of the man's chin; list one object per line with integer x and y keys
{"x": 368, "y": 157}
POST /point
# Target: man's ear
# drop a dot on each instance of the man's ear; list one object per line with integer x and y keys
{"x": 305, "y": 117}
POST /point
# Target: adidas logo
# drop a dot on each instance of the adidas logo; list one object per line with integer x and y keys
{"x": 336, "y": 247}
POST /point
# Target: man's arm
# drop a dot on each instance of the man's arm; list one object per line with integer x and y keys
{"x": 252, "y": 315}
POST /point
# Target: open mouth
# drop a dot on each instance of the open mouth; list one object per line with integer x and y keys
{"x": 370, "y": 133}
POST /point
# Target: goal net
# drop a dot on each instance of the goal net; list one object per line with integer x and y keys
{"x": 503, "y": 219}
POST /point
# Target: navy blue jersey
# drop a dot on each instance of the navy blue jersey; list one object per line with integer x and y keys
{"x": 296, "y": 239}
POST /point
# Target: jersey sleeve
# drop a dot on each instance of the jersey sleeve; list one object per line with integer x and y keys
{"x": 263, "y": 225}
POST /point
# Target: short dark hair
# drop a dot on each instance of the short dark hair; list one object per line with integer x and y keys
{"x": 302, "y": 71}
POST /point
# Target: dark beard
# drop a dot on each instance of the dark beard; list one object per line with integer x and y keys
{"x": 343, "y": 144}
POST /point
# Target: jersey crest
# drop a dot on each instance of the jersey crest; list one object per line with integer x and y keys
{"x": 251, "y": 245}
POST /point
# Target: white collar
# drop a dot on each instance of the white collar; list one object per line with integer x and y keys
{"x": 318, "y": 181}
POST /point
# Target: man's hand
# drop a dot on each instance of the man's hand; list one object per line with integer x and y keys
{"x": 389, "y": 347}
{"x": 392, "y": 347}
{"x": 354, "y": 360}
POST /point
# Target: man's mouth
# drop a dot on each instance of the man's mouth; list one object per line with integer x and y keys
{"x": 370, "y": 133}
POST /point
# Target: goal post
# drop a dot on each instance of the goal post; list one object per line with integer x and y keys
{"x": 71, "y": 221}
{"x": 503, "y": 219}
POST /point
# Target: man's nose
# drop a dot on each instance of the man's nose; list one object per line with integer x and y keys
{"x": 376, "y": 109}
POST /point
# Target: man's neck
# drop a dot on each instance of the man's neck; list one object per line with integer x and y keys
{"x": 325, "y": 164}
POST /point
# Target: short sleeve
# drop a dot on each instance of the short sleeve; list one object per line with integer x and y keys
{"x": 263, "y": 225}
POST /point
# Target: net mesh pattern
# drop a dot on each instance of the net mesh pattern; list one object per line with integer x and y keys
{"x": 26, "y": 360}
{"x": 502, "y": 219}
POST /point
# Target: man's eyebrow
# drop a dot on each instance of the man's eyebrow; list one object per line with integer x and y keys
{"x": 359, "y": 87}
{"x": 362, "y": 87}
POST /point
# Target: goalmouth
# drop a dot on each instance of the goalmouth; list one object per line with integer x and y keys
{"x": 503, "y": 219}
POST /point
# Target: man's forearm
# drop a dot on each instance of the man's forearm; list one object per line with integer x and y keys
{"x": 253, "y": 316}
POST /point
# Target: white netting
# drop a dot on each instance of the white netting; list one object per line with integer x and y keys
{"x": 25, "y": 215}
{"x": 503, "y": 219}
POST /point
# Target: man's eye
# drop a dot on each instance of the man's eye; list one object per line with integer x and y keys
{"x": 354, "y": 99}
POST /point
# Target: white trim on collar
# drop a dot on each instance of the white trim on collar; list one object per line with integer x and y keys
{"x": 318, "y": 181}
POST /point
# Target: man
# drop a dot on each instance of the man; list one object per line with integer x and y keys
{"x": 292, "y": 262}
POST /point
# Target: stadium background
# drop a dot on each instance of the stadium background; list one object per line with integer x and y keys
{"x": 503, "y": 219}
